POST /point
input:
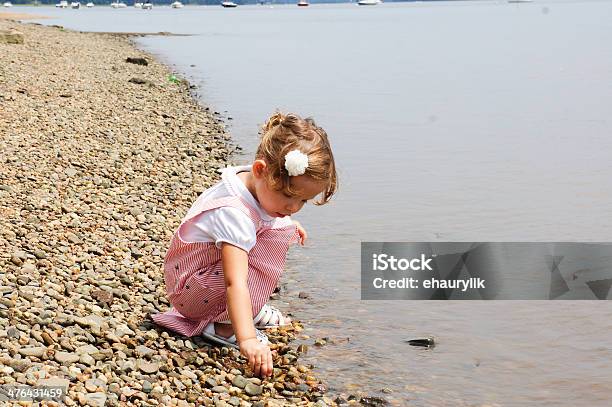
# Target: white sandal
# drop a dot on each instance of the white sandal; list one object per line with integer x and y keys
{"x": 266, "y": 314}
{"x": 210, "y": 334}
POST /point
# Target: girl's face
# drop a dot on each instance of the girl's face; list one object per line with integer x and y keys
{"x": 280, "y": 203}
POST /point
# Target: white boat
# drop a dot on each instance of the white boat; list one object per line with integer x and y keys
{"x": 62, "y": 4}
{"x": 520, "y": 1}
{"x": 303, "y": 3}
{"x": 8, "y": 4}
{"x": 177, "y": 4}
{"x": 369, "y": 2}
{"x": 147, "y": 5}
{"x": 137, "y": 5}
{"x": 89, "y": 5}
{"x": 229, "y": 4}
{"x": 75, "y": 5}
{"x": 118, "y": 4}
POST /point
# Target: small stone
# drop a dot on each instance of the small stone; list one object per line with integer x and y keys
{"x": 86, "y": 349}
{"x": 303, "y": 295}
{"x": 219, "y": 389}
{"x": 36, "y": 352}
{"x": 240, "y": 382}
{"x": 123, "y": 330}
{"x": 114, "y": 388}
{"x": 137, "y": 61}
{"x": 16, "y": 261}
{"x": 28, "y": 268}
{"x": 140, "y": 81}
{"x": 6, "y": 302}
{"x": 39, "y": 254}
{"x": 189, "y": 374}
{"x": 147, "y": 386}
{"x": 72, "y": 238}
{"x": 91, "y": 385}
{"x": 95, "y": 250}
{"x": 92, "y": 321}
{"x": 373, "y": 401}
{"x": 95, "y": 399}
{"x": 7, "y": 370}
{"x": 303, "y": 387}
{"x": 147, "y": 367}
{"x": 144, "y": 351}
{"x": 66, "y": 358}
{"x": 87, "y": 360}
{"x": 54, "y": 382}
{"x": 47, "y": 339}
{"x": 252, "y": 389}
{"x": 71, "y": 172}
{"x": 102, "y": 296}
{"x": 13, "y": 332}
{"x": 320, "y": 342}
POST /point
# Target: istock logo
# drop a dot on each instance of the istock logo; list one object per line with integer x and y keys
{"x": 382, "y": 262}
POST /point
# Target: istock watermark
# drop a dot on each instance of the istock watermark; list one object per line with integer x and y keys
{"x": 486, "y": 270}
{"x": 384, "y": 262}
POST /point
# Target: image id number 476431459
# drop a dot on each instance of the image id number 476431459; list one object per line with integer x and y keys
{"x": 31, "y": 393}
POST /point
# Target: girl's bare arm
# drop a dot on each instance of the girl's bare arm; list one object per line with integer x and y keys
{"x": 235, "y": 270}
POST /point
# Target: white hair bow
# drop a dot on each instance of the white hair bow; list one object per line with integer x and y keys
{"x": 296, "y": 163}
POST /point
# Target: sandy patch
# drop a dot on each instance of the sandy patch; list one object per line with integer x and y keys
{"x": 20, "y": 16}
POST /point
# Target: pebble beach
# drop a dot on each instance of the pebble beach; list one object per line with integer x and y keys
{"x": 100, "y": 160}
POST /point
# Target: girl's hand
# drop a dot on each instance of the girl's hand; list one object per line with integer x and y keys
{"x": 301, "y": 232}
{"x": 258, "y": 355}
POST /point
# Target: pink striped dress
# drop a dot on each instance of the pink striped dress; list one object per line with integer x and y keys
{"x": 194, "y": 274}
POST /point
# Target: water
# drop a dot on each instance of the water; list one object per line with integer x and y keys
{"x": 450, "y": 121}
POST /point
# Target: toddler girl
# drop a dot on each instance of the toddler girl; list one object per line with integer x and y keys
{"x": 228, "y": 253}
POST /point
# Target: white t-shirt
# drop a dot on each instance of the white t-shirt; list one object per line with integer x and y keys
{"x": 226, "y": 224}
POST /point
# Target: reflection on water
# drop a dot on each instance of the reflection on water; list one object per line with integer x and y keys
{"x": 450, "y": 121}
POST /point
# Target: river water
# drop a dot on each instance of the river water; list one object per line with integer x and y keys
{"x": 450, "y": 121}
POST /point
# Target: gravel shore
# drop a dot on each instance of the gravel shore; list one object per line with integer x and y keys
{"x": 100, "y": 160}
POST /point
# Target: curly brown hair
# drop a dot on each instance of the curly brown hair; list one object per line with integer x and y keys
{"x": 283, "y": 133}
